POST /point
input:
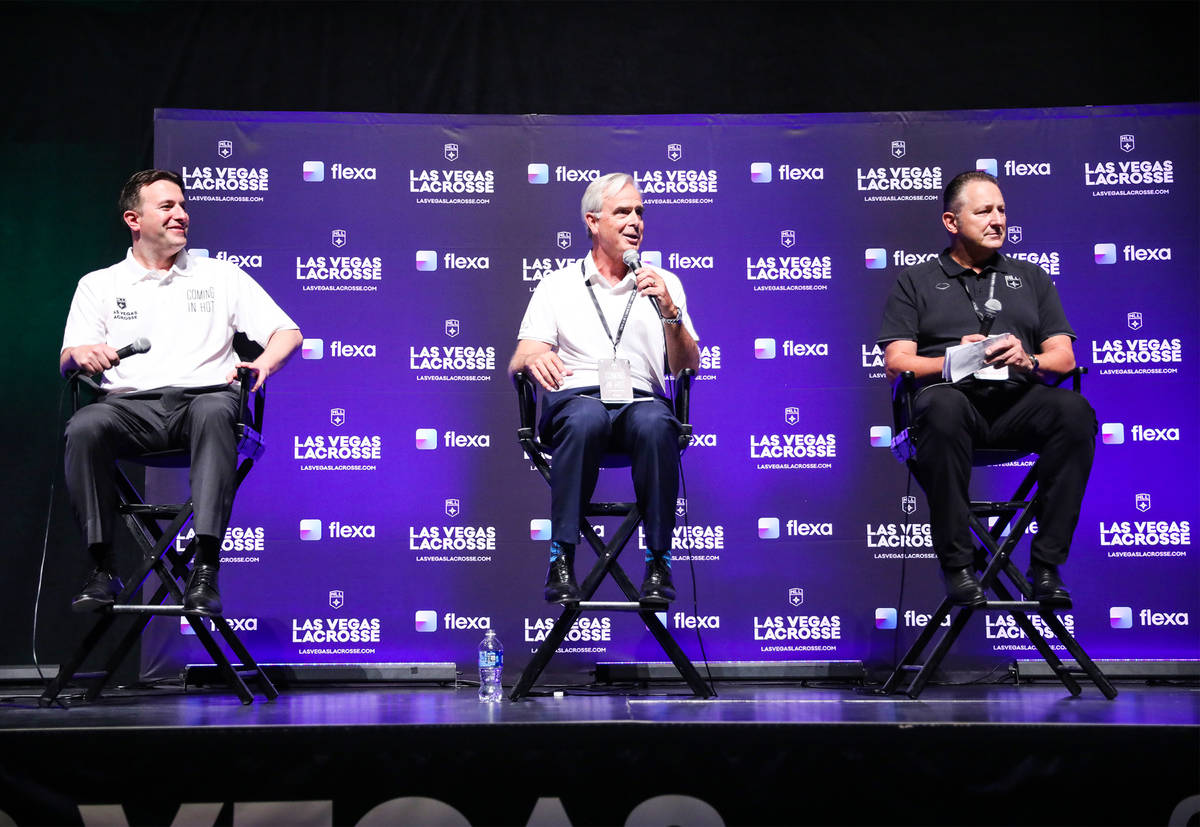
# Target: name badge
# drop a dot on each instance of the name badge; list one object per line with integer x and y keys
{"x": 616, "y": 381}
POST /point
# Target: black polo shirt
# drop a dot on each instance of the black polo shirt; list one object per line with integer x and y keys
{"x": 929, "y": 304}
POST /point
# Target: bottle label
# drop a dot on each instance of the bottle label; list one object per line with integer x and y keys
{"x": 491, "y": 660}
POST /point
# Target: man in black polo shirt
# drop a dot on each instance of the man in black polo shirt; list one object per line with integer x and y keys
{"x": 944, "y": 302}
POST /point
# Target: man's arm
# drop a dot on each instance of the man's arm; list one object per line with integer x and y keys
{"x": 1057, "y": 355}
{"x": 280, "y": 347}
{"x": 539, "y": 360}
{"x": 682, "y": 350}
{"x": 901, "y": 355}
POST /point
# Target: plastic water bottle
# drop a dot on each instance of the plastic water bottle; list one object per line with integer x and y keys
{"x": 491, "y": 666}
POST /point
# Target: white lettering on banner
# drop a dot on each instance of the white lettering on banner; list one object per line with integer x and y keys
{"x": 798, "y": 446}
{"x": 1050, "y": 262}
{"x": 1146, "y": 253}
{"x": 1146, "y": 533}
{"x": 339, "y": 268}
{"x": 899, "y": 178}
{"x": 777, "y": 268}
{"x": 902, "y": 259}
{"x": 536, "y": 269}
{"x": 1005, "y": 626}
{"x": 252, "y": 261}
{"x": 902, "y": 535}
{"x": 336, "y": 630}
{"x": 562, "y": 173}
{"x": 1018, "y": 169}
{"x": 798, "y": 627}
{"x": 677, "y": 261}
{"x": 920, "y": 620}
{"x": 668, "y": 181}
{"x": 1151, "y": 618}
{"x": 440, "y": 357}
{"x": 1132, "y": 351}
{"x": 691, "y": 538}
{"x": 585, "y": 629}
{"x": 321, "y": 446}
{"x": 226, "y": 178}
{"x": 452, "y": 538}
{"x": 1106, "y": 173}
{"x": 469, "y": 181}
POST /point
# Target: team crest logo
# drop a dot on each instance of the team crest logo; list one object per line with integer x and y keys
{"x": 224, "y": 148}
{"x": 787, "y": 238}
{"x": 564, "y": 239}
{"x": 791, "y": 414}
{"x": 898, "y": 149}
{"x": 674, "y": 152}
{"x": 337, "y": 417}
{"x": 339, "y": 238}
{"x": 121, "y": 303}
{"x": 1141, "y": 502}
{"x": 1134, "y": 320}
{"x": 337, "y": 598}
{"x": 1127, "y": 143}
{"x": 795, "y": 596}
{"x": 450, "y": 151}
{"x": 908, "y": 503}
{"x": 1014, "y": 235}
{"x": 453, "y": 509}
{"x": 452, "y": 328}
{"x": 680, "y": 506}
{"x": 1012, "y": 281}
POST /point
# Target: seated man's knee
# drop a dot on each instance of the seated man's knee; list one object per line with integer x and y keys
{"x": 1072, "y": 413}
{"x": 582, "y": 419}
{"x": 941, "y": 409}
{"x": 89, "y": 424}
{"x": 213, "y": 410}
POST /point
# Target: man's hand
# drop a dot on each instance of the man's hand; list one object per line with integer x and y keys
{"x": 1007, "y": 352}
{"x": 88, "y": 358}
{"x": 651, "y": 283}
{"x": 260, "y": 374}
{"x": 547, "y": 369}
{"x": 972, "y": 337}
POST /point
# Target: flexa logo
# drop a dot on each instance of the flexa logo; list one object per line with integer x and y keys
{"x": 253, "y": 261}
{"x": 768, "y": 528}
{"x": 1113, "y": 433}
{"x": 1121, "y": 617}
{"x": 987, "y": 165}
{"x": 539, "y": 529}
{"x": 1106, "y": 253}
{"x": 237, "y": 624}
{"x": 427, "y": 261}
{"x": 795, "y": 528}
{"x": 315, "y": 349}
{"x": 426, "y": 620}
{"x": 315, "y": 171}
{"x": 681, "y": 620}
{"x": 885, "y": 618}
{"x": 427, "y": 440}
{"x": 903, "y": 258}
{"x": 311, "y": 530}
{"x": 876, "y": 258}
{"x": 540, "y": 174}
{"x": 881, "y": 436}
{"x": 679, "y": 261}
{"x": 761, "y": 173}
{"x": 765, "y": 348}
{"x": 452, "y": 621}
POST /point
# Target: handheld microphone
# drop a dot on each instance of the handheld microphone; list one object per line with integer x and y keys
{"x": 991, "y": 309}
{"x": 138, "y": 345}
{"x": 634, "y": 262}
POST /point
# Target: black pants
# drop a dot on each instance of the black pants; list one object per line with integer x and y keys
{"x": 126, "y": 425}
{"x": 952, "y": 420}
{"x": 581, "y": 430}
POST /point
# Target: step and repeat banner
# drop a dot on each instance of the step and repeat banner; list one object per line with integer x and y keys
{"x": 394, "y": 517}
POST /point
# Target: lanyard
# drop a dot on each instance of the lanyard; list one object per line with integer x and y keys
{"x": 991, "y": 296}
{"x": 600, "y": 313}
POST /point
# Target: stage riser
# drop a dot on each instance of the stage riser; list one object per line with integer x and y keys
{"x": 600, "y": 774}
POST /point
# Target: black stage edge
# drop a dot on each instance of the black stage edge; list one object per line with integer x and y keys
{"x": 297, "y": 674}
{"x": 754, "y": 756}
{"x": 1124, "y": 669}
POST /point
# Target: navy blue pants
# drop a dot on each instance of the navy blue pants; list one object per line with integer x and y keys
{"x": 126, "y": 425}
{"x": 580, "y": 430}
{"x": 952, "y": 420}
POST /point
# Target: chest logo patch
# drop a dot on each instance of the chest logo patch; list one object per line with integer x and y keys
{"x": 1012, "y": 281}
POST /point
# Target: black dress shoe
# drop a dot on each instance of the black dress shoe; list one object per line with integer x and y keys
{"x": 1048, "y": 586}
{"x": 99, "y": 592}
{"x": 962, "y": 587}
{"x": 202, "y": 596}
{"x": 560, "y": 577}
{"x": 657, "y": 585}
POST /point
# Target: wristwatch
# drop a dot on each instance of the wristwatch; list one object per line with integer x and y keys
{"x": 677, "y": 320}
{"x": 1034, "y": 359}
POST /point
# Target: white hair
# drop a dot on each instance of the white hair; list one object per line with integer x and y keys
{"x": 603, "y": 187}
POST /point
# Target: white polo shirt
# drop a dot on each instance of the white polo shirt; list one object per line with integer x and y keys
{"x": 189, "y": 313}
{"x": 561, "y": 314}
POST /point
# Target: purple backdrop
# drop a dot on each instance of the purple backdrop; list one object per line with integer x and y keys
{"x": 391, "y": 518}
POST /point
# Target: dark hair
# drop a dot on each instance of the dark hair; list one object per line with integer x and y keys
{"x": 955, "y": 187}
{"x": 131, "y": 193}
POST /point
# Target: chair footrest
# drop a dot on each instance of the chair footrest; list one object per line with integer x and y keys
{"x": 1020, "y": 605}
{"x": 987, "y": 507}
{"x": 621, "y": 605}
{"x": 161, "y": 609}
{"x": 164, "y": 512}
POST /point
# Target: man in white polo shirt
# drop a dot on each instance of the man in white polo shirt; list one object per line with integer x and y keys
{"x": 178, "y": 394}
{"x": 595, "y": 336}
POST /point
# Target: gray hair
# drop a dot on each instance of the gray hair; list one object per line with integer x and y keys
{"x": 603, "y": 187}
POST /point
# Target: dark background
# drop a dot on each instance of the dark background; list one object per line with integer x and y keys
{"x": 81, "y": 81}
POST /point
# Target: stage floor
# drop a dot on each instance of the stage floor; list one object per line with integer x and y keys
{"x": 762, "y": 754}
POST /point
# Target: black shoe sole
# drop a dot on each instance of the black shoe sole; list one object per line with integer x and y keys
{"x": 974, "y": 603}
{"x": 90, "y": 604}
